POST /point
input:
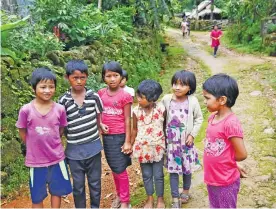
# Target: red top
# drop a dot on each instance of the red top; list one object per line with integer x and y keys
{"x": 220, "y": 167}
{"x": 113, "y": 115}
{"x": 215, "y": 34}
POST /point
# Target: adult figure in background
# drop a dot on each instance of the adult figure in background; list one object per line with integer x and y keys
{"x": 216, "y": 34}
{"x": 184, "y": 26}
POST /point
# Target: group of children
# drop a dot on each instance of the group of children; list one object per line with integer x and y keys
{"x": 162, "y": 134}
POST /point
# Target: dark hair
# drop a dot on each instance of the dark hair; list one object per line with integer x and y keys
{"x": 150, "y": 89}
{"x": 112, "y": 66}
{"x": 186, "y": 78}
{"x": 124, "y": 74}
{"x": 222, "y": 85}
{"x": 42, "y": 74}
{"x": 73, "y": 65}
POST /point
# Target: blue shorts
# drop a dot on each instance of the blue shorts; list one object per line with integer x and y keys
{"x": 57, "y": 178}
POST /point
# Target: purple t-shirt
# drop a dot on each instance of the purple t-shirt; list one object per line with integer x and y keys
{"x": 44, "y": 147}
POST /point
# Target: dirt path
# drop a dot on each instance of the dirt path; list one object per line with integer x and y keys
{"x": 255, "y": 108}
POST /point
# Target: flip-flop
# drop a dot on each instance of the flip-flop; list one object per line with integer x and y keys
{"x": 184, "y": 198}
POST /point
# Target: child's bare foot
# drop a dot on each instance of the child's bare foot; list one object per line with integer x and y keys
{"x": 160, "y": 202}
{"x": 149, "y": 202}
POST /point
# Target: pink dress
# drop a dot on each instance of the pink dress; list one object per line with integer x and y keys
{"x": 215, "y": 34}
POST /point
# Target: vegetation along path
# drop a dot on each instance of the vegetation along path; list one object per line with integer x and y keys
{"x": 256, "y": 108}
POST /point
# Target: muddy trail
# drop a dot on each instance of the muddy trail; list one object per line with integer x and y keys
{"x": 256, "y": 108}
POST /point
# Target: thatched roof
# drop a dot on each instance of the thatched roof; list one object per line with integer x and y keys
{"x": 204, "y": 8}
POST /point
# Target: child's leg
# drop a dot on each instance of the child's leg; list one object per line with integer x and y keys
{"x": 37, "y": 182}
{"x": 147, "y": 173}
{"x": 174, "y": 182}
{"x": 215, "y": 50}
{"x": 55, "y": 201}
{"x": 94, "y": 172}
{"x": 77, "y": 168}
{"x": 124, "y": 188}
{"x": 187, "y": 180}
{"x": 224, "y": 196}
{"x": 159, "y": 182}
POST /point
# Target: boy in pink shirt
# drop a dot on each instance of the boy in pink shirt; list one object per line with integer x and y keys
{"x": 223, "y": 145}
{"x": 41, "y": 123}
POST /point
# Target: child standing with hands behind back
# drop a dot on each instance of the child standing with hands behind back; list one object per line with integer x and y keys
{"x": 148, "y": 135}
{"x": 223, "y": 144}
{"x": 116, "y": 130}
{"x": 184, "y": 119}
{"x": 41, "y": 123}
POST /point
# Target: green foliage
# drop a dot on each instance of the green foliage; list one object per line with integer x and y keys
{"x": 246, "y": 28}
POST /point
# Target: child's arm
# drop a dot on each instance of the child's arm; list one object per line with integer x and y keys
{"x": 198, "y": 119}
{"x": 165, "y": 126}
{"x": 134, "y": 128}
{"x": 61, "y": 131}
{"x": 240, "y": 151}
{"x": 127, "y": 148}
{"x": 22, "y": 134}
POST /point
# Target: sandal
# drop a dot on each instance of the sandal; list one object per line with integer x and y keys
{"x": 185, "y": 198}
{"x": 116, "y": 203}
{"x": 175, "y": 204}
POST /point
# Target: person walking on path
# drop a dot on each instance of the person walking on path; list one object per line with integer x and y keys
{"x": 216, "y": 34}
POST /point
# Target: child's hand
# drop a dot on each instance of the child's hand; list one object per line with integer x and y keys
{"x": 104, "y": 128}
{"x": 189, "y": 140}
{"x": 127, "y": 148}
{"x": 243, "y": 173}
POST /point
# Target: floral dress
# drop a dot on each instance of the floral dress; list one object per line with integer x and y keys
{"x": 181, "y": 158}
{"x": 149, "y": 144}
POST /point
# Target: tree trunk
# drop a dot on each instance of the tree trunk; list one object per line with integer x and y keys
{"x": 100, "y": 2}
{"x": 155, "y": 14}
{"x": 212, "y": 10}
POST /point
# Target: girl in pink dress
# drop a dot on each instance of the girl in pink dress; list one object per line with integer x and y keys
{"x": 215, "y": 36}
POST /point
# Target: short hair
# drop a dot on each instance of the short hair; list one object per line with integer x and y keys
{"x": 222, "y": 85}
{"x": 186, "y": 78}
{"x": 73, "y": 65}
{"x": 150, "y": 89}
{"x": 42, "y": 74}
{"x": 124, "y": 74}
{"x": 112, "y": 66}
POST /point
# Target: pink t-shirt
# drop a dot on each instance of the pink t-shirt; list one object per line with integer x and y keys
{"x": 113, "y": 114}
{"x": 44, "y": 147}
{"x": 220, "y": 167}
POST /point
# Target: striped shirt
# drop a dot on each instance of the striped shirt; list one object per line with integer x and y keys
{"x": 82, "y": 121}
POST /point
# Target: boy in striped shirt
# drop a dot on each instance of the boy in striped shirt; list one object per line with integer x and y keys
{"x": 83, "y": 150}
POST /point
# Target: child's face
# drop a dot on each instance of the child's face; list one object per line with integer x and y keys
{"x": 180, "y": 90}
{"x": 112, "y": 79}
{"x": 123, "y": 83}
{"x": 77, "y": 80}
{"x": 211, "y": 102}
{"x": 142, "y": 100}
{"x": 45, "y": 90}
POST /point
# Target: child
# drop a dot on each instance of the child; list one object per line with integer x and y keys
{"x": 83, "y": 150}
{"x": 216, "y": 34}
{"x": 124, "y": 86}
{"x": 223, "y": 144}
{"x": 116, "y": 130}
{"x": 148, "y": 134}
{"x": 184, "y": 119}
{"x": 41, "y": 123}
{"x": 184, "y": 26}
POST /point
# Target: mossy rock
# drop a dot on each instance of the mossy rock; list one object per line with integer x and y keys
{"x": 88, "y": 63}
{"x": 8, "y": 61}
{"x": 97, "y": 44}
{"x": 10, "y": 151}
{"x": 91, "y": 58}
{"x": 53, "y": 57}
